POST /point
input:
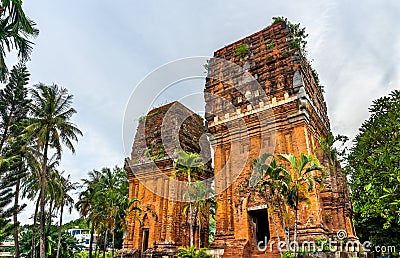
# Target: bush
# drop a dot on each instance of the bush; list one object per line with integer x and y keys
{"x": 287, "y": 254}
{"x": 193, "y": 253}
{"x": 242, "y": 50}
{"x": 270, "y": 45}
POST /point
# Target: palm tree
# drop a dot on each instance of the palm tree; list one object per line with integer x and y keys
{"x": 29, "y": 166}
{"x": 87, "y": 201}
{"x": 212, "y": 222}
{"x": 192, "y": 166}
{"x": 65, "y": 200}
{"x": 202, "y": 196}
{"x": 31, "y": 185}
{"x": 105, "y": 202}
{"x": 16, "y": 31}
{"x": 50, "y": 126}
{"x": 53, "y": 193}
{"x": 277, "y": 179}
{"x": 128, "y": 209}
{"x": 116, "y": 204}
{"x": 302, "y": 181}
{"x": 110, "y": 194}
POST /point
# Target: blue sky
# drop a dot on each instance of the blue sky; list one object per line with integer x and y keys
{"x": 100, "y": 50}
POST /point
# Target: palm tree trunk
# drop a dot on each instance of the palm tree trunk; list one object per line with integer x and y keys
{"x": 276, "y": 231}
{"x": 191, "y": 223}
{"x": 49, "y": 213}
{"x": 285, "y": 233}
{"x": 34, "y": 228}
{"x": 15, "y": 217}
{"x": 270, "y": 210}
{"x": 97, "y": 250}
{"x": 112, "y": 251}
{"x": 105, "y": 244}
{"x": 190, "y": 211}
{"x": 295, "y": 232}
{"x": 199, "y": 236}
{"x": 60, "y": 229}
{"x": 42, "y": 199}
{"x": 198, "y": 221}
{"x": 295, "y": 225}
{"x": 91, "y": 241}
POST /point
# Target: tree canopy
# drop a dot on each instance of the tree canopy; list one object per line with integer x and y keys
{"x": 374, "y": 173}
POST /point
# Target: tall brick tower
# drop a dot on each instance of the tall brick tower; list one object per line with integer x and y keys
{"x": 162, "y": 227}
{"x": 268, "y": 101}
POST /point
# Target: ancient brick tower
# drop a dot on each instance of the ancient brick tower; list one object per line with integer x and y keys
{"x": 269, "y": 102}
{"x": 161, "y": 133}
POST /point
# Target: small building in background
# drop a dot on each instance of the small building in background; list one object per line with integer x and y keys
{"x": 7, "y": 248}
{"x": 83, "y": 237}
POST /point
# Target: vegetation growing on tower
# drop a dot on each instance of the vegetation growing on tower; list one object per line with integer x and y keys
{"x": 242, "y": 50}
{"x": 298, "y": 42}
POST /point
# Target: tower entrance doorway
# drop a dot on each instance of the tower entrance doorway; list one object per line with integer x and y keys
{"x": 260, "y": 225}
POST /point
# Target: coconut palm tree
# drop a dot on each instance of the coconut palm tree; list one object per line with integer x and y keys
{"x": 50, "y": 126}
{"x": 127, "y": 209}
{"x": 110, "y": 194}
{"x": 53, "y": 193}
{"x": 115, "y": 202}
{"x": 87, "y": 202}
{"x": 105, "y": 202}
{"x": 302, "y": 181}
{"x": 28, "y": 166}
{"x": 192, "y": 166}
{"x": 65, "y": 199}
{"x": 31, "y": 184}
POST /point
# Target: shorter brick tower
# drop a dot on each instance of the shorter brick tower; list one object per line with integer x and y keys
{"x": 162, "y": 227}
